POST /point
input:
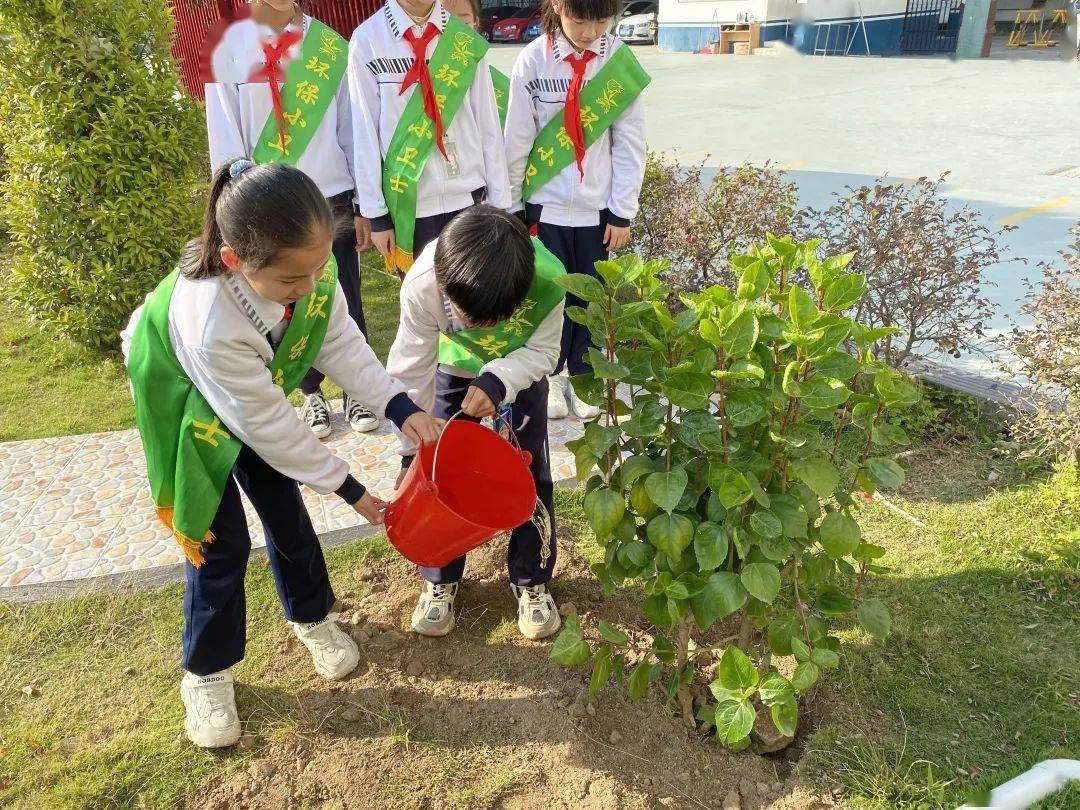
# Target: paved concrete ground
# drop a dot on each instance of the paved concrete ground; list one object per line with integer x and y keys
{"x": 1001, "y": 126}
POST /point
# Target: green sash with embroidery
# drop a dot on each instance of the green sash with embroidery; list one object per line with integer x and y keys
{"x": 311, "y": 85}
{"x": 453, "y": 67}
{"x": 501, "y": 82}
{"x": 471, "y": 349}
{"x": 603, "y": 99}
{"x": 189, "y": 452}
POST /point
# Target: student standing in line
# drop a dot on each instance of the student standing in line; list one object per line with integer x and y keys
{"x": 304, "y": 120}
{"x": 575, "y": 148}
{"x": 212, "y": 355}
{"x": 468, "y": 11}
{"x": 426, "y": 131}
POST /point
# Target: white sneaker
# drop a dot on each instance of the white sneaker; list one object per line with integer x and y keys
{"x": 538, "y": 617}
{"x": 361, "y": 419}
{"x": 434, "y": 613}
{"x": 211, "y": 720}
{"x": 333, "y": 653}
{"x": 582, "y": 410}
{"x": 557, "y": 408}
{"x": 316, "y": 415}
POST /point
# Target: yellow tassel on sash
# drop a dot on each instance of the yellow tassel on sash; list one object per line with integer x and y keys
{"x": 399, "y": 263}
{"x": 192, "y": 548}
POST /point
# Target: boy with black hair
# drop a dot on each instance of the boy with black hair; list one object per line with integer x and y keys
{"x": 481, "y": 326}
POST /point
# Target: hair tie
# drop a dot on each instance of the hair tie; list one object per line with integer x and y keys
{"x": 238, "y": 167}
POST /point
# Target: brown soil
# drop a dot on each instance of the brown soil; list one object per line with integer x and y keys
{"x": 483, "y": 718}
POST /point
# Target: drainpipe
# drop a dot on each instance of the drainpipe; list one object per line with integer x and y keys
{"x": 1049, "y": 776}
{"x": 976, "y": 29}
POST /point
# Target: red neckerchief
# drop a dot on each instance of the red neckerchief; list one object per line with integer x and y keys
{"x": 419, "y": 73}
{"x": 272, "y": 73}
{"x": 572, "y": 109}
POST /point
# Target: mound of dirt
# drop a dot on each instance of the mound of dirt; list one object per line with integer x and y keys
{"x": 484, "y": 718}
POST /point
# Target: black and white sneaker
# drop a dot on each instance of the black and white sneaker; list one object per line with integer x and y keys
{"x": 361, "y": 419}
{"x": 316, "y": 414}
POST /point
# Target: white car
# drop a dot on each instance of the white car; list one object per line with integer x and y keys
{"x": 637, "y": 22}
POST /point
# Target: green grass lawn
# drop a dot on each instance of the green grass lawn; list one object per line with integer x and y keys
{"x": 50, "y": 387}
{"x": 976, "y": 683}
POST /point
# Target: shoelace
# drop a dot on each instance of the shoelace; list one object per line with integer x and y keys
{"x": 318, "y": 408}
{"x": 536, "y": 596}
{"x": 356, "y": 410}
{"x": 216, "y": 700}
{"x": 439, "y": 593}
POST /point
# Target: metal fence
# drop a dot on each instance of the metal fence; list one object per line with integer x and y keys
{"x": 931, "y": 26}
{"x": 195, "y": 18}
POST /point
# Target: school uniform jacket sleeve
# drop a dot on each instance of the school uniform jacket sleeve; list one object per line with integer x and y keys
{"x": 481, "y": 98}
{"x": 223, "y": 124}
{"x": 627, "y": 162}
{"x": 345, "y": 130}
{"x": 347, "y": 359}
{"x": 536, "y": 359}
{"x": 413, "y": 358}
{"x": 521, "y": 131}
{"x": 367, "y": 156}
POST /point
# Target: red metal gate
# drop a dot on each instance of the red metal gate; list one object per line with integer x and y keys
{"x": 194, "y": 18}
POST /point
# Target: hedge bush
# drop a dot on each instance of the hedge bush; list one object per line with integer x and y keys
{"x": 103, "y": 155}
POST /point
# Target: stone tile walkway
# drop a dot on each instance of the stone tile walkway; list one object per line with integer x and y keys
{"x": 76, "y": 507}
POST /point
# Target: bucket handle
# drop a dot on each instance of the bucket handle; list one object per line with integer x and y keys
{"x": 510, "y": 430}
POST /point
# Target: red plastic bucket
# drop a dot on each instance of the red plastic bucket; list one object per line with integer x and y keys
{"x": 482, "y": 487}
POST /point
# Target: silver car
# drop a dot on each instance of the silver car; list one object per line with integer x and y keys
{"x": 636, "y": 22}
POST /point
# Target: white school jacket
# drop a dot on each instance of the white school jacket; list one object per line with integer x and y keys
{"x": 379, "y": 58}
{"x": 614, "y": 166}
{"x": 426, "y": 312}
{"x": 219, "y": 327}
{"x": 237, "y": 111}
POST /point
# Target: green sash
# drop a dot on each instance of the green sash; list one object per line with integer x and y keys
{"x": 452, "y": 66}
{"x": 603, "y": 100}
{"x": 189, "y": 453}
{"x": 311, "y": 85}
{"x": 471, "y": 349}
{"x": 501, "y": 82}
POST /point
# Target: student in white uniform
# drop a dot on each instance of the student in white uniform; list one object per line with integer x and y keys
{"x": 239, "y": 109}
{"x": 578, "y": 185}
{"x": 426, "y": 132}
{"x": 212, "y": 355}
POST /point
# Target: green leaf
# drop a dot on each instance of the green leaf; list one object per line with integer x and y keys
{"x": 699, "y": 430}
{"x": 611, "y": 272}
{"x": 739, "y": 337}
{"x": 722, "y": 595}
{"x": 819, "y": 474}
{"x": 604, "y": 509}
{"x": 759, "y": 494}
{"x": 601, "y": 671}
{"x": 584, "y": 287}
{"x": 777, "y": 549}
{"x": 671, "y": 534}
{"x": 601, "y": 439}
{"x": 839, "y": 365}
{"x": 785, "y": 716}
{"x": 678, "y": 590}
{"x": 884, "y": 472}
{"x": 639, "y": 680}
{"x": 844, "y": 292}
{"x": 729, "y": 484}
{"x": 734, "y": 721}
{"x": 690, "y": 390}
{"x": 744, "y": 407}
{"x": 634, "y": 468}
{"x": 604, "y": 369}
{"x": 823, "y": 392}
{"x": 874, "y": 618}
{"x": 666, "y": 488}
{"x": 766, "y": 523}
{"x": 658, "y": 611}
{"x": 710, "y": 545}
{"x": 805, "y": 676}
{"x": 887, "y": 434}
{"x": 613, "y": 634}
{"x": 634, "y": 553}
{"x": 839, "y": 535}
{"x": 775, "y": 688}
{"x": 762, "y": 580}
{"x": 832, "y": 601}
{"x": 736, "y": 671}
{"x": 824, "y": 657}
{"x": 894, "y": 390}
{"x": 754, "y": 280}
{"x": 801, "y": 309}
{"x": 570, "y": 648}
{"x": 799, "y": 649}
{"x": 792, "y": 516}
{"x": 646, "y": 419}
{"x": 791, "y": 385}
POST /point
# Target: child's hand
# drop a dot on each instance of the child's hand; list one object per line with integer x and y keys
{"x": 383, "y": 241}
{"x": 372, "y": 508}
{"x": 477, "y": 404}
{"x": 616, "y": 238}
{"x": 363, "y": 233}
{"x": 422, "y": 428}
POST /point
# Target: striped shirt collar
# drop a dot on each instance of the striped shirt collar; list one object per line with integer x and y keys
{"x": 400, "y": 22}
{"x": 263, "y": 313}
{"x": 561, "y": 47}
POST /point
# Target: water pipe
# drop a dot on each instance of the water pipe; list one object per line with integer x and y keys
{"x": 1048, "y": 776}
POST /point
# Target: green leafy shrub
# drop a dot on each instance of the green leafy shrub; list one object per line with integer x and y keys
{"x": 710, "y": 481}
{"x": 102, "y": 153}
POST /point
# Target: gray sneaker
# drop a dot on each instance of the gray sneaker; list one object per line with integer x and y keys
{"x": 538, "y": 617}
{"x": 434, "y": 613}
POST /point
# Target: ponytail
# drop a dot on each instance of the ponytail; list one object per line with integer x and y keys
{"x": 257, "y": 211}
